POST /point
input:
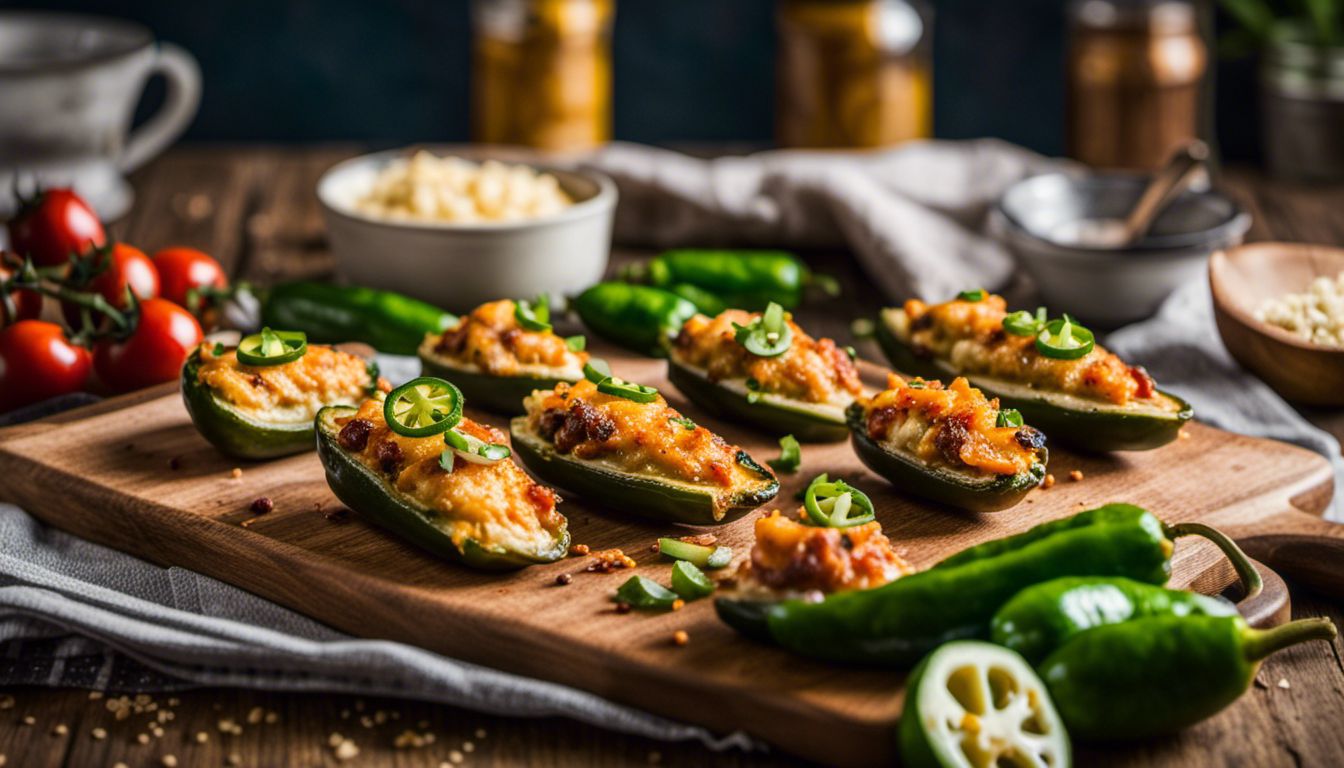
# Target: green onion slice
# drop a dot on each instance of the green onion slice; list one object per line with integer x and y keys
{"x": 702, "y": 556}
{"x": 596, "y": 369}
{"x": 534, "y": 316}
{"x": 790, "y": 455}
{"x": 768, "y": 335}
{"x": 1064, "y": 339}
{"x": 836, "y": 504}
{"x": 976, "y": 295}
{"x": 1008, "y": 417}
{"x": 576, "y": 343}
{"x": 682, "y": 422}
{"x": 272, "y": 347}
{"x": 1024, "y": 323}
{"x": 627, "y": 389}
{"x": 643, "y": 592}
{"x": 423, "y": 407}
{"x": 690, "y": 582}
{"x": 474, "y": 449}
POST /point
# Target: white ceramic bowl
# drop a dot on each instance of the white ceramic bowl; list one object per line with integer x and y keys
{"x": 460, "y": 265}
{"x": 1108, "y": 287}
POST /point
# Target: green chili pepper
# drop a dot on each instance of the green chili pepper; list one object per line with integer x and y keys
{"x": 768, "y": 335}
{"x": 746, "y": 279}
{"x": 423, "y": 407}
{"x": 596, "y": 369}
{"x": 836, "y": 504}
{"x": 637, "y": 317}
{"x": 272, "y": 347}
{"x": 1044, "y": 616}
{"x": 702, "y": 556}
{"x": 1064, "y": 339}
{"x": 330, "y": 314}
{"x": 895, "y": 623}
{"x": 643, "y": 592}
{"x": 790, "y": 455}
{"x": 706, "y": 302}
{"x": 1159, "y": 674}
{"x": 1023, "y": 323}
{"x": 627, "y": 389}
{"x": 689, "y": 582}
{"x": 534, "y": 316}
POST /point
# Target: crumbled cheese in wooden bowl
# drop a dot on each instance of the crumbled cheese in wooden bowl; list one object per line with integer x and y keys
{"x": 1317, "y": 315}
{"x": 450, "y": 189}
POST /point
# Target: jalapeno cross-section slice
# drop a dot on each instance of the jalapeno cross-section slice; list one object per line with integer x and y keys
{"x": 272, "y": 347}
{"x": 534, "y": 315}
{"x": 836, "y": 504}
{"x": 423, "y": 407}
{"x": 1064, "y": 339}
{"x": 627, "y": 389}
{"x": 474, "y": 449}
{"x": 767, "y": 335}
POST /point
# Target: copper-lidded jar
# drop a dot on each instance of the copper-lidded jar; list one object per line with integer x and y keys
{"x": 1135, "y": 78}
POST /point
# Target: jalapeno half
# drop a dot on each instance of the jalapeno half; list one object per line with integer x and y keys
{"x": 767, "y": 335}
{"x": 272, "y": 347}
{"x": 627, "y": 389}
{"x": 836, "y": 504}
{"x": 534, "y": 316}
{"x": 1064, "y": 339}
{"x": 423, "y": 407}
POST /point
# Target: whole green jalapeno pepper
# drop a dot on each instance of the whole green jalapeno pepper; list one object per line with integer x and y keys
{"x": 745, "y": 279}
{"x": 1044, "y": 616}
{"x": 638, "y": 317}
{"x": 896, "y": 623}
{"x": 1159, "y": 674}
{"x": 328, "y": 314}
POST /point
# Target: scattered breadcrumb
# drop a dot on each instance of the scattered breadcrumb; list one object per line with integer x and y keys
{"x": 680, "y": 637}
{"x": 609, "y": 560}
{"x": 120, "y": 765}
{"x": 703, "y": 540}
{"x": 1283, "y": 683}
{"x": 272, "y": 718}
{"x": 236, "y": 473}
{"x": 61, "y": 729}
{"x": 142, "y": 738}
{"x": 578, "y": 550}
{"x": 6, "y": 702}
{"x": 234, "y": 759}
{"x": 169, "y": 761}
{"x": 202, "y": 737}
{"x": 95, "y": 695}
{"x": 1076, "y": 475}
{"x": 411, "y": 739}
{"x": 678, "y": 604}
{"x": 480, "y": 733}
{"x": 98, "y": 734}
{"x": 254, "y": 715}
{"x": 1183, "y": 434}
{"x": 1049, "y": 481}
{"x": 29, "y": 720}
{"x": 468, "y": 746}
{"x": 455, "y": 757}
{"x": 346, "y": 750}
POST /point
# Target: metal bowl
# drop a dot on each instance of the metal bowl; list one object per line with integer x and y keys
{"x": 1107, "y": 286}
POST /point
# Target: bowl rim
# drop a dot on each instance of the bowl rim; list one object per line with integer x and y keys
{"x": 604, "y": 199}
{"x": 1218, "y": 261}
{"x": 1235, "y": 225}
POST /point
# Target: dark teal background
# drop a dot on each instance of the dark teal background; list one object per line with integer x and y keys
{"x": 685, "y": 70}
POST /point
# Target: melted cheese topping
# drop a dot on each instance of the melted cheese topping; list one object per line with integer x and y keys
{"x": 969, "y": 335}
{"x": 811, "y": 370}
{"x": 639, "y": 438}
{"x": 953, "y": 426}
{"x": 290, "y": 392}
{"x": 789, "y": 556}
{"x": 490, "y": 340}
{"x": 492, "y": 503}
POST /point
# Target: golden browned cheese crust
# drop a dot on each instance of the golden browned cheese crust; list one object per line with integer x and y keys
{"x": 811, "y": 370}
{"x": 954, "y": 426}
{"x": 290, "y": 391}
{"x": 643, "y": 438}
{"x": 491, "y": 340}
{"x": 491, "y": 503}
{"x": 789, "y": 556}
{"x": 970, "y": 335}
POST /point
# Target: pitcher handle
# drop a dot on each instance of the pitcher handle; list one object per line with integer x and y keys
{"x": 183, "y": 74}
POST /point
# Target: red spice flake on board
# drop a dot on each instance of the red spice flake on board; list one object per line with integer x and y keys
{"x": 609, "y": 560}
{"x": 262, "y": 505}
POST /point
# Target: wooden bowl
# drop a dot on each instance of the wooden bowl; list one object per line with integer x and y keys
{"x": 1241, "y": 279}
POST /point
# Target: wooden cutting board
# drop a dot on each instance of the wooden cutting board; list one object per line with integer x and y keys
{"x": 133, "y": 474}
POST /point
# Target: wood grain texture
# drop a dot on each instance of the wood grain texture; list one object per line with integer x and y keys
{"x": 140, "y": 479}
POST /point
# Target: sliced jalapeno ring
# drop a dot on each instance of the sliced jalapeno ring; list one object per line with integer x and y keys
{"x": 272, "y": 347}
{"x": 596, "y": 369}
{"x": 790, "y": 455}
{"x": 1064, "y": 339}
{"x": 768, "y": 335}
{"x": 534, "y": 316}
{"x": 836, "y": 504}
{"x": 423, "y": 407}
{"x": 576, "y": 343}
{"x": 640, "y": 393}
{"x": 1024, "y": 323}
{"x": 474, "y": 449}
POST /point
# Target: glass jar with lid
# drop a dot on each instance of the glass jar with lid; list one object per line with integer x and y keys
{"x": 541, "y": 72}
{"x": 853, "y": 73}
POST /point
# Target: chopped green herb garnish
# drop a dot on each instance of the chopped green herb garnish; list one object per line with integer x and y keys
{"x": 1008, "y": 418}
{"x": 975, "y": 295}
{"x": 682, "y": 421}
{"x": 790, "y": 455}
{"x": 576, "y": 343}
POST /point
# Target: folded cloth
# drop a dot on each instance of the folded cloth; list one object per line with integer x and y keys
{"x": 73, "y": 613}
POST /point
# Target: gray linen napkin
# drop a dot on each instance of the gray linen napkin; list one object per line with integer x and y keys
{"x": 75, "y": 613}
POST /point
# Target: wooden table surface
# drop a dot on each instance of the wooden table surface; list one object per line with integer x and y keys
{"x": 253, "y": 208}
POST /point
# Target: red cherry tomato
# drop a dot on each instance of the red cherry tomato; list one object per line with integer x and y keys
{"x": 27, "y": 304}
{"x": 182, "y": 269}
{"x": 153, "y": 353}
{"x": 38, "y": 362}
{"x": 54, "y": 226}
{"x": 127, "y": 267}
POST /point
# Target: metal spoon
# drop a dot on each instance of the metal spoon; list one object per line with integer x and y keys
{"x": 1175, "y": 176}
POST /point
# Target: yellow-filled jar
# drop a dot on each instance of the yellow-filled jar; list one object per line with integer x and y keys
{"x": 853, "y": 73}
{"x": 541, "y": 73}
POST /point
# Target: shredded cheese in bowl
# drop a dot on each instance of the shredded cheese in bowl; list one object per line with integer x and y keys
{"x": 451, "y": 189}
{"x": 1316, "y": 315}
